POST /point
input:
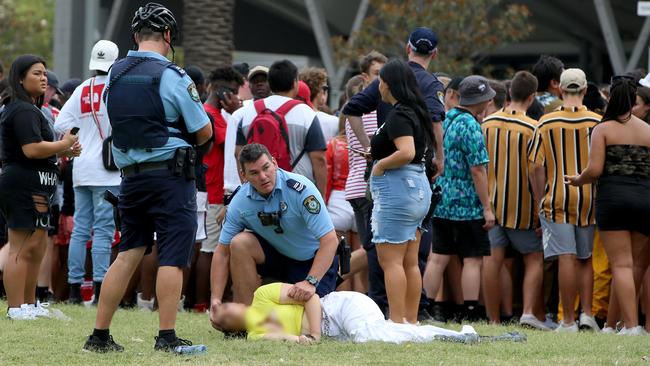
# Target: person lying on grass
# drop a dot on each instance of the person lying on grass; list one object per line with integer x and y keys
{"x": 345, "y": 316}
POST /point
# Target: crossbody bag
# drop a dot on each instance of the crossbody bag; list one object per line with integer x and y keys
{"x": 107, "y": 142}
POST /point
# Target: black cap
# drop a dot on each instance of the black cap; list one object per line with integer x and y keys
{"x": 454, "y": 84}
{"x": 69, "y": 86}
{"x": 53, "y": 81}
{"x": 196, "y": 74}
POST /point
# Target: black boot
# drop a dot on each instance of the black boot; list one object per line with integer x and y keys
{"x": 75, "y": 294}
{"x": 97, "y": 288}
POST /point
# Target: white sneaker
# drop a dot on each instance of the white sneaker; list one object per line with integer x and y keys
{"x": 21, "y": 313}
{"x": 531, "y": 321}
{"x": 146, "y": 305}
{"x": 567, "y": 328}
{"x": 588, "y": 323}
{"x": 40, "y": 309}
{"x": 635, "y": 331}
{"x": 608, "y": 330}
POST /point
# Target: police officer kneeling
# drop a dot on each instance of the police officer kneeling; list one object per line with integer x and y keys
{"x": 156, "y": 116}
{"x": 276, "y": 227}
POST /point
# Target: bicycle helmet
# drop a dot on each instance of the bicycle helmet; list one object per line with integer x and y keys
{"x": 155, "y": 17}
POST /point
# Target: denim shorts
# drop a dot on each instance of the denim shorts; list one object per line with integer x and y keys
{"x": 401, "y": 200}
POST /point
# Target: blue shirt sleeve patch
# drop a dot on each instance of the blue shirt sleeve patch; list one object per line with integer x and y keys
{"x": 295, "y": 185}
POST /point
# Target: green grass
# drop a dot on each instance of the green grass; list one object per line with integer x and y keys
{"x": 57, "y": 342}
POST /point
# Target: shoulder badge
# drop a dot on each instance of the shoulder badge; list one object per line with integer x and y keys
{"x": 295, "y": 185}
{"x": 312, "y": 205}
{"x": 194, "y": 93}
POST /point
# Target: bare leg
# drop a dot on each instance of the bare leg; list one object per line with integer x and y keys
{"x": 169, "y": 284}
{"x": 45, "y": 271}
{"x": 453, "y": 278}
{"x": 567, "y": 282}
{"x": 148, "y": 272}
{"x": 202, "y": 278}
{"x": 533, "y": 276}
{"x": 115, "y": 283}
{"x": 586, "y": 284}
{"x": 33, "y": 252}
{"x": 15, "y": 269}
{"x": 391, "y": 259}
{"x": 613, "y": 310}
{"x": 360, "y": 283}
{"x": 471, "y": 278}
{"x": 413, "y": 279}
{"x": 506, "y": 286}
{"x": 492, "y": 285}
{"x": 433, "y": 274}
{"x": 646, "y": 298}
{"x": 245, "y": 254}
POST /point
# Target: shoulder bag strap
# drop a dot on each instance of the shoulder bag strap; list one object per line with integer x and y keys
{"x": 92, "y": 108}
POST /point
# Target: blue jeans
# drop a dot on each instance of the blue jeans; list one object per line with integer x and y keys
{"x": 93, "y": 215}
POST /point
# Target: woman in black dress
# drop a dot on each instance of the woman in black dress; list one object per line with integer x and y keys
{"x": 27, "y": 182}
{"x": 619, "y": 160}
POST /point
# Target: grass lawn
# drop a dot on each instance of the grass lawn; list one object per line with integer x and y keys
{"x": 58, "y": 342}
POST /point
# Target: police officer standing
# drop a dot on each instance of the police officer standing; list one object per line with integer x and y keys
{"x": 157, "y": 116}
{"x": 289, "y": 235}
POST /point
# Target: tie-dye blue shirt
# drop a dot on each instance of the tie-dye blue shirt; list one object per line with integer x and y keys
{"x": 464, "y": 148}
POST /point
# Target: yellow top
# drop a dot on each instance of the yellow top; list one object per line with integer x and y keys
{"x": 266, "y": 308}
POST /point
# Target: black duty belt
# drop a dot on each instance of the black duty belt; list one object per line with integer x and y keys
{"x": 146, "y": 167}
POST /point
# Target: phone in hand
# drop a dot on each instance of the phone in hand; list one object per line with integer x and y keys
{"x": 74, "y": 130}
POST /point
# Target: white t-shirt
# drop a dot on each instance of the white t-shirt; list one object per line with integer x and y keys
{"x": 304, "y": 132}
{"x": 329, "y": 124}
{"x": 230, "y": 172}
{"x": 88, "y": 168}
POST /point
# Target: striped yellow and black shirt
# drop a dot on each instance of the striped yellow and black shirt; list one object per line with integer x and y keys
{"x": 561, "y": 146}
{"x": 509, "y": 136}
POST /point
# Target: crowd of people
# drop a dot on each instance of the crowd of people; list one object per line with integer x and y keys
{"x": 440, "y": 197}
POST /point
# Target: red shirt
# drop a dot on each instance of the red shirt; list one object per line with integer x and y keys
{"x": 214, "y": 159}
{"x": 337, "y": 165}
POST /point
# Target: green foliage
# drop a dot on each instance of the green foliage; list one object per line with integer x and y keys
{"x": 466, "y": 29}
{"x": 26, "y": 26}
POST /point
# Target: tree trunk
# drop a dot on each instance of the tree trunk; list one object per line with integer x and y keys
{"x": 208, "y": 33}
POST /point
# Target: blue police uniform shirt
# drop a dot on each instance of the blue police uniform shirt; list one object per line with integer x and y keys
{"x": 369, "y": 99}
{"x": 304, "y": 216}
{"x": 177, "y": 101}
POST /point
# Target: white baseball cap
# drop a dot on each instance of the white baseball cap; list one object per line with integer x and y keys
{"x": 103, "y": 55}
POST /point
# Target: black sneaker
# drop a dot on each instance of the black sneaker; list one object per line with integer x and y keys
{"x": 424, "y": 316}
{"x": 94, "y": 344}
{"x": 163, "y": 345}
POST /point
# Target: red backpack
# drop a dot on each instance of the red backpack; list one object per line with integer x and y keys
{"x": 269, "y": 128}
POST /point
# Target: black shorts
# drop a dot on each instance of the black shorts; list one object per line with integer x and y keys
{"x": 623, "y": 203}
{"x": 18, "y": 186}
{"x": 466, "y": 239}
{"x": 281, "y": 268}
{"x": 157, "y": 201}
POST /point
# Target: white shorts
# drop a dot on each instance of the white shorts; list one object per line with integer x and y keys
{"x": 341, "y": 212}
{"x": 201, "y": 210}
{"x": 213, "y": 229}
